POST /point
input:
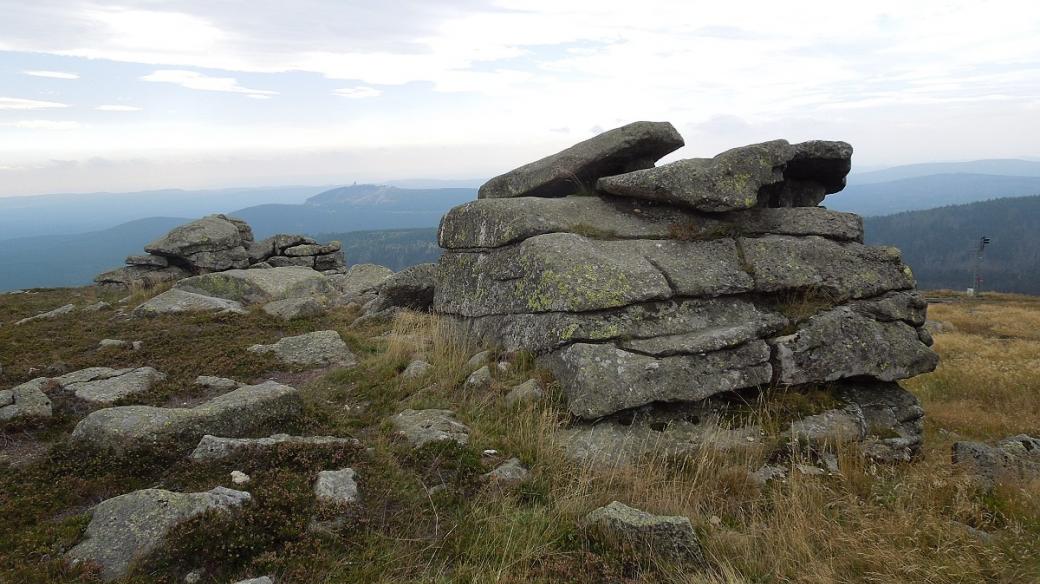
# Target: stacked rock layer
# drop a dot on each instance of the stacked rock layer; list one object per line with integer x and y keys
{"x": 217, "y": 243}
{"x": 639, "y": 285}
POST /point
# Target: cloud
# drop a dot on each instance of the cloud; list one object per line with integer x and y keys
{"x": 52, "y": 74}
{"x": 117, "y": 108}
{"x": 43, "y": 125}
{"x": 198, "y": 81}
{"x": 17, "y": 103}
{"x": 360, "y": 92}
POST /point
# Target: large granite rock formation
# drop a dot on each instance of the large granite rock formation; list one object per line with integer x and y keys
{"x": 216, "y": 243}
{"x": 673, "y": 284}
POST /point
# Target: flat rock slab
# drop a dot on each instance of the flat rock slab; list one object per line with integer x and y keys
{"x": 261, "y": 286}
{"x": 177, "y": 301}
{"x": 635, "y": 146}
{"x": 218, "y": 447}
{"x": 337, "y": 487}
{"x": 843, "y": 343}
{"x": 651, "y": 536}
{"x": 317, "y": 349}
{"x": 217, "y": 383}
{"x": 600, "y": 379}
{"x": 422, "y": 427}
{"x": 360, "y": 279}
{"x": 25, "y": 401}
{"x": 491, "y": 223}
{"x": 102, "y": 385}
{"x": 294, "y": 308}
{"x": 247, "y": 410}
{"x": 49, "y": 315}
{"x": 213, "y": 233}
{"x": 127, "y": 528}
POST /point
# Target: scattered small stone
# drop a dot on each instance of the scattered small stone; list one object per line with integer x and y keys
{"x": 137, "y": 345}
{"x": 527, "y": 392}
{"x": 489, "y": 452}
{"x": 216, "y": 383}
{"x": 509, "y": 473}
{"x": 97, "y": 307}
{"x": 115, "y": 344}
{"x": 337, "y": 487}
{"x": 25, "y": 401}
{"x": 417, "y": 369}
{"x": 194, "y": 576}
{"x": 479, "y": 379}
{"x": 503, "y": 366}
{"x": 830, "y": 462}
{"x": 810, "y": 470}
{"x": 671, "y": 537}
{"x": 421, "y": 427}
{"x": 317, "y": 349}
{"x": 239, "y": 478}
{"x": 477, "y": 360}
{"x": 57, "y": 312}
{"x": 294, "y": 308}
{"x": 767, "y": 473}
{"x": 260, "y": 580}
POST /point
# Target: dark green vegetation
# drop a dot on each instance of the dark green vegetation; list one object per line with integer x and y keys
{"x": 939, "y": 244}
{"x": 394, "y": 248}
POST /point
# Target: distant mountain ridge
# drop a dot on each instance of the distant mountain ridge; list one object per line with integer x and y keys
{"x": 939, "y": 244}
{"x": 995, "y": 166}
{"x": 926, "y": 192}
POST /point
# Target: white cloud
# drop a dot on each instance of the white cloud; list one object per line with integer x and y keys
{"x": 52, "y": 74}
{"x": 17, "y": 103}
{"x": 43, "y": 125}
{"x": 196, "y": 80}
{"x": 360, "y": 92}
{"x": 117, "y": 108}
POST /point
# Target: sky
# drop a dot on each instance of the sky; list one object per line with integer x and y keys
{"x": 100, "y": 96}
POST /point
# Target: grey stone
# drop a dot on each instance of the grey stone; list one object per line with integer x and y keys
{"x": 244, "y": 230}
{"x": 217, "y": 447}
{"x": 246, "y": 410}
{"x": 479, "y": 380}
{"x": 907, "y": 306}
{"x": 838, "y": 270}
{"x": 330, "y": 263}
{"x": 127, "y": 528}
{"x": 25, "y": 401}
{"x": 337, "y": 487}
{"x": 491, "y": 223}
{"x": 842, "y": 343}
{"x": 938, "y": 327}
{"x": 258, "y": 251}
{"x": 178, "y": 301}
{"x": 114, "y": 344}
{"x": 140, "y": 277}
{"x": 830, "y": 427}
{"x": 260, "y": 580}
{"x": 261, "y": 286}
{"x": 634, "y": 146}
{"x": 767, "y": 474}
{"x": 411, "y": 288}
{"x": 307, "y": 249}
{"x": 317, "y": 349}
{"x": 360, "y": 279}
{"x": 509, "y": 473}
{"x": 1012, "y": 459}
{"x": 101, "y": 385}
{"x": 294, "y": 308}
{"x": 49, "y": 315}
{"x": 893, "y": 416}
{"x": 282, "y": 241}
{"x": 260, "y": 266}
{"x": 239, "y": 478}
{"x": 422, "y": 427}
{"x": 527, "y": 392}
{"x": 601, "y": 379}
{"x": 97, "y": 307}
{"x": 213, "y": 233}
{"x": 147, "y": 260}
{"x": 217, "y": 383}
{"x": 654, "y": 536}
{"x": 291, "y": 262}
{"x": 206, "y": 261}
{"x": 416, "y": 369}
{"x": 478, "y": 360}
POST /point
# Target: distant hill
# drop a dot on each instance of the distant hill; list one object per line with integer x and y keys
{"x": 84, "y": 212}
{"x": 927, "y": 192}
{"x": 396, "y": 249}
{"x": 74, "y": 260}
{"x": 999, "y": 167}
{"x": 939, "y": 244}
{"x": 357, "y": 207}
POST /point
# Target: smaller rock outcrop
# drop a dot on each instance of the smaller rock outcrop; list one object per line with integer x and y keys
{"x": 127, "y": 528}
{"x": 1012, "y": 459}
{"x": 651, "y": 536}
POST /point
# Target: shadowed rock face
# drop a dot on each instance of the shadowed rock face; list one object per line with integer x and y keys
{"x": 697, "y": 278}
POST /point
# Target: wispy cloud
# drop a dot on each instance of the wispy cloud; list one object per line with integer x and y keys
{"x": 358, "y": 92}
{"x": 198, "y": 81}
{"x": 43, "y": 125}
{"x": 117, "y": 108}
{"x": 17, "y": 103}
{"x": 52, "y": 74}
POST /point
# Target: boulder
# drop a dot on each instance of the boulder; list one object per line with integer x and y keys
{"x": 527, "y": 392}
{"x": 337, "y": 487}
{"x": 102, "y": 385}
{"x": 361, "y": 280}
{"x": 671, "y": 538}
{"x": 600, "y": 379}
{"x": 317, "y": 349}
{"x": 25, "y": 402}
{"x": 214, "y": 234}
{"x": 635, "y": 146}
{"x": 1010, "y": 460}
{"x": 49, "y": 315}
{"x": 281, "y": 242}
{"x": 893, "y": 416}
{"x": 830, "y": 427}
{"x": 218, "y": 447}
{"x": 261, "y": 286}
{"x": 422, "y": 427}
{"x": 479, "y": 380}
{"x": 177, "y": 301}
{"x": 125, "y": 529}
{"x": 510, "y": 473}
{"x": 247, "y": 410}
{"x": 416, "y": 370}
{"x": 147, "y": 260}
{"x": 411, "y": 288}
{"x": 294, "y": 308}
{"x": 291, "y": 262}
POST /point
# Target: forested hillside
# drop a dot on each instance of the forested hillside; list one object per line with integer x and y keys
{"x": 395, "y": 249}
{"x": 939, "y": 244}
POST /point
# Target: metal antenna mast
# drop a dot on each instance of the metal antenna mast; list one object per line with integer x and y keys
{"x": 977, "y": 279}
